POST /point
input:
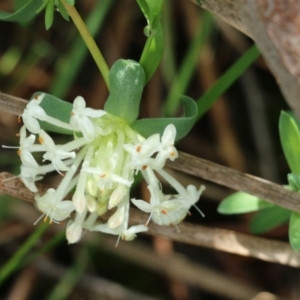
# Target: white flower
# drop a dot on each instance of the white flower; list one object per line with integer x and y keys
{"x": 32, "y": 112}
{"x": 54, "y": 153}
{"x": 141, "y": 153}
{"x": 130, "y": 233}
{"x": 80, "y": 118}
{"x": 29, "y": 175}
{"x": 159, "y": 207}
{"x": 53, "y": 207}
{"x": 106, "y": 179}
{"x": 167, "y": 148}
{"x": 26, "y": 143}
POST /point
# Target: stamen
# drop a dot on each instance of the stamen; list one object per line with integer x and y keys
{"x": 36, "y": 97}
{"x": 39, "y": 218}
{"x": 146, "y": 224}
{"x": 144, "y": 167}
{"x": 138, "y": 149}
{"x": 19, "y": 119}
{"x": 200, "y": 212}
{"x": 19, "y": 152}
{"x": 41, "y": 140}
{"x": 163, "y": 211}
{"x": 118, "y": 240}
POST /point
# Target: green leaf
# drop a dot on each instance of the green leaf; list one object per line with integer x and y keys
{"x": 24, "y": 13}
{"x": 58, "y": 109}
{"x": 241, "y": 202}
{"x": 71, "y": 2}
{"x": 153, "y": 52}
{"x": 49, "y": 14}
{"x": 294, "y": 231}
{"x": 151, "y": 10}
{"x": 294, "y": 181}
{"x": 147, "y": 127}
{"x": 269, "y": 218}
{"x": 226, "y": 80}
{"x": 154, "y": 47}
{"x": 126, "y": 82}
{"x": 187, "y": 69}
{"x": 290, "y": 140}
{"x": 62, "y": 10}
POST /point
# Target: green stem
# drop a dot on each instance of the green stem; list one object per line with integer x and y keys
{"x": 17, "y": 259}
{"x": 89, "y": 41}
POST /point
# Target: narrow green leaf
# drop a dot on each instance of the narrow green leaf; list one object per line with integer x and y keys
{"x": 226, "y": 80}
{"x": 24, "y": 13}
{"x": 294, "y": 232}
{"x": 62, "y": 10}
{"x": 290, "y": 140}
{"x": 57, "y": 109}
{"x": 147, "y": 127}
{"x": 153, "y": 52}
{"x": 49, "y": 14}
{"x": 241, "y": 202}
{"x": 269, "y": 218}
{"x": 18, "y": 257}
{"x": 187, "y": 68}
{"x": 154, "y": 47}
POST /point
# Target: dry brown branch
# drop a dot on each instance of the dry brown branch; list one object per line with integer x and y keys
{"x": 274, "y": 26}
{"x": 101, "y": 288}
{"x": 181, "y": 268}
{"x": 230, "y": 178}
{"x": 11, "y": 104}
{"x": 215, "y": 238}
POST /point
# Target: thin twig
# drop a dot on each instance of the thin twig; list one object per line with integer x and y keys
{"x": 12, "y": 104}
{"x": 215, "y": 238}
{"x": 233, "y": 179}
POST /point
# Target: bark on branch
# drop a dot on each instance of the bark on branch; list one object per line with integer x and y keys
{"x": 275, "y": 27}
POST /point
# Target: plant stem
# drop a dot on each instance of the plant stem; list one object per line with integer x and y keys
{"x": 89, "y": 41}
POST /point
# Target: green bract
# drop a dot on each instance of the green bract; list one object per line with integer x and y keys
{"x": 147, "y": 127}
{"x": 126, "y": 82}
{"x": 55, "y": 108}
{"x": 126, "y": 87}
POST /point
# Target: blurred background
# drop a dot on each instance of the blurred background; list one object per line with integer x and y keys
{"x": 240, "y": 131}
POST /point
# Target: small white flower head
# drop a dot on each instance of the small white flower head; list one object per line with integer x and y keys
{"x": 32, "y": 112}
{"x": 54, "y": 153}
{"x": 141, "y": 153}
{"x": 52, "y": 207}
{"x": 81, "y": 118}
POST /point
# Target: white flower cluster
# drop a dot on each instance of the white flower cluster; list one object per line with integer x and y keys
{"x": 100, "y": 162}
